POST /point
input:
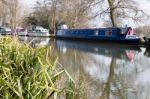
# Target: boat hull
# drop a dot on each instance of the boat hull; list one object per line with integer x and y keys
{"x": 38, "y": 34}
{"x": 5, "y": 33}
{"x": 124, "y": 42}
{"x": 22, "y": 33}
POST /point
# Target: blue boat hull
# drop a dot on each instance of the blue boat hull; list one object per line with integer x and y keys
{"x": 124, "y": 42}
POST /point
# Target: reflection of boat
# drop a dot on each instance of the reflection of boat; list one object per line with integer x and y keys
{"x": 119, "y": 35}
{"x": 106, "y": 49}
{"x": 35, "y": 41}
{"x": 23, "y": 38}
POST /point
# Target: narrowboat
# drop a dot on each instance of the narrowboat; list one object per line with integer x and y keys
{"x": 120, "y": 35}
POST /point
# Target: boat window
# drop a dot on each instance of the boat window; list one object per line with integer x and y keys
{"x": 122, "y": 30}
{"x": 38, "y": 30}
{"x": 108, "y": 32}
{"x": 96, "y": 32}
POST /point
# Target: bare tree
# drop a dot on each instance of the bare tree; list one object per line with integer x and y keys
{"x": 3, "y": 13}
{"x": 143, "y": 30}
{"x": 120, "y": 10}
{"x": 75, "y": 13}
{"x": 11, "y": 10}
{"x": 13, "y": 7}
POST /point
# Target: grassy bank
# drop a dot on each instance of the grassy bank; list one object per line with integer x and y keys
{"x": 27, "y": 73}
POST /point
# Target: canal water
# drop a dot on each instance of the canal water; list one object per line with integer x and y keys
{"x": 108, "y": 70}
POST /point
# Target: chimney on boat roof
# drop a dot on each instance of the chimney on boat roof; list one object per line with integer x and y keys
{"x": 62, "y": 26}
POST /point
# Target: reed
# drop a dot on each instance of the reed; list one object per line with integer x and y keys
{"x": 27, "y": 73}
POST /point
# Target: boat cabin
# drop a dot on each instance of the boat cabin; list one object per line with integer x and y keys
{"x": 105, "y": 32}
{"x": 38, "y": 29}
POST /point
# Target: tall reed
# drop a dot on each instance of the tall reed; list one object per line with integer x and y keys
{"x": 27, "y": 73}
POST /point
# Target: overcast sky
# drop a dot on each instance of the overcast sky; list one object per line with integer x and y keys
{"x": 28, "y": 2}
{"x": 145, "y": 4}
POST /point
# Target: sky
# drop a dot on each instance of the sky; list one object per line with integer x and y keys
{"x": 143, "y": 4}
{"x": 28, "y": 2}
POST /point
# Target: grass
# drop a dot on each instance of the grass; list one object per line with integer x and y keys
{"x": 77, "y": 90}
{"x": 27, "y": 73}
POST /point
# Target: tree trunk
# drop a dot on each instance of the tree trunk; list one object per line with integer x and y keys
{"x": 112, "y": 13}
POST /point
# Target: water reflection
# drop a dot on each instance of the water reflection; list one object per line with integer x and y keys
{"x": 147, "y": 52}
{"x": 112, "y": 71}
{"x": 109, "y": 71}
{"x": 35, "y": 41}
{"x": 105, "y": 49}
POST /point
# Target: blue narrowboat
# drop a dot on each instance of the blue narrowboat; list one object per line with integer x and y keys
{"x": 120, "y": 35}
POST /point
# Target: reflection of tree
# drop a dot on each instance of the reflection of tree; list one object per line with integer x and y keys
{"x": 106, "y": 90}
{"x": 115, "y": 81}
{"x": 71, "y": 61}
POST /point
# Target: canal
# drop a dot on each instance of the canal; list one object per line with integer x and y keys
{"x": 105, "y": 70}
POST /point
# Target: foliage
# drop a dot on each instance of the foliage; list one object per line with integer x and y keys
{"x": 26, "y": 72}
{"x": 31, "y": 20}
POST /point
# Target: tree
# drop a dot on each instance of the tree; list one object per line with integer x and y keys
{"x": 31, "y": 20}
{"x": 11, "y": 10}
{"x": 143, "y": 30}
{"x": 75, "y": 13}
{"x": 3, "y": 13}
{"x": 120, "y": 10}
